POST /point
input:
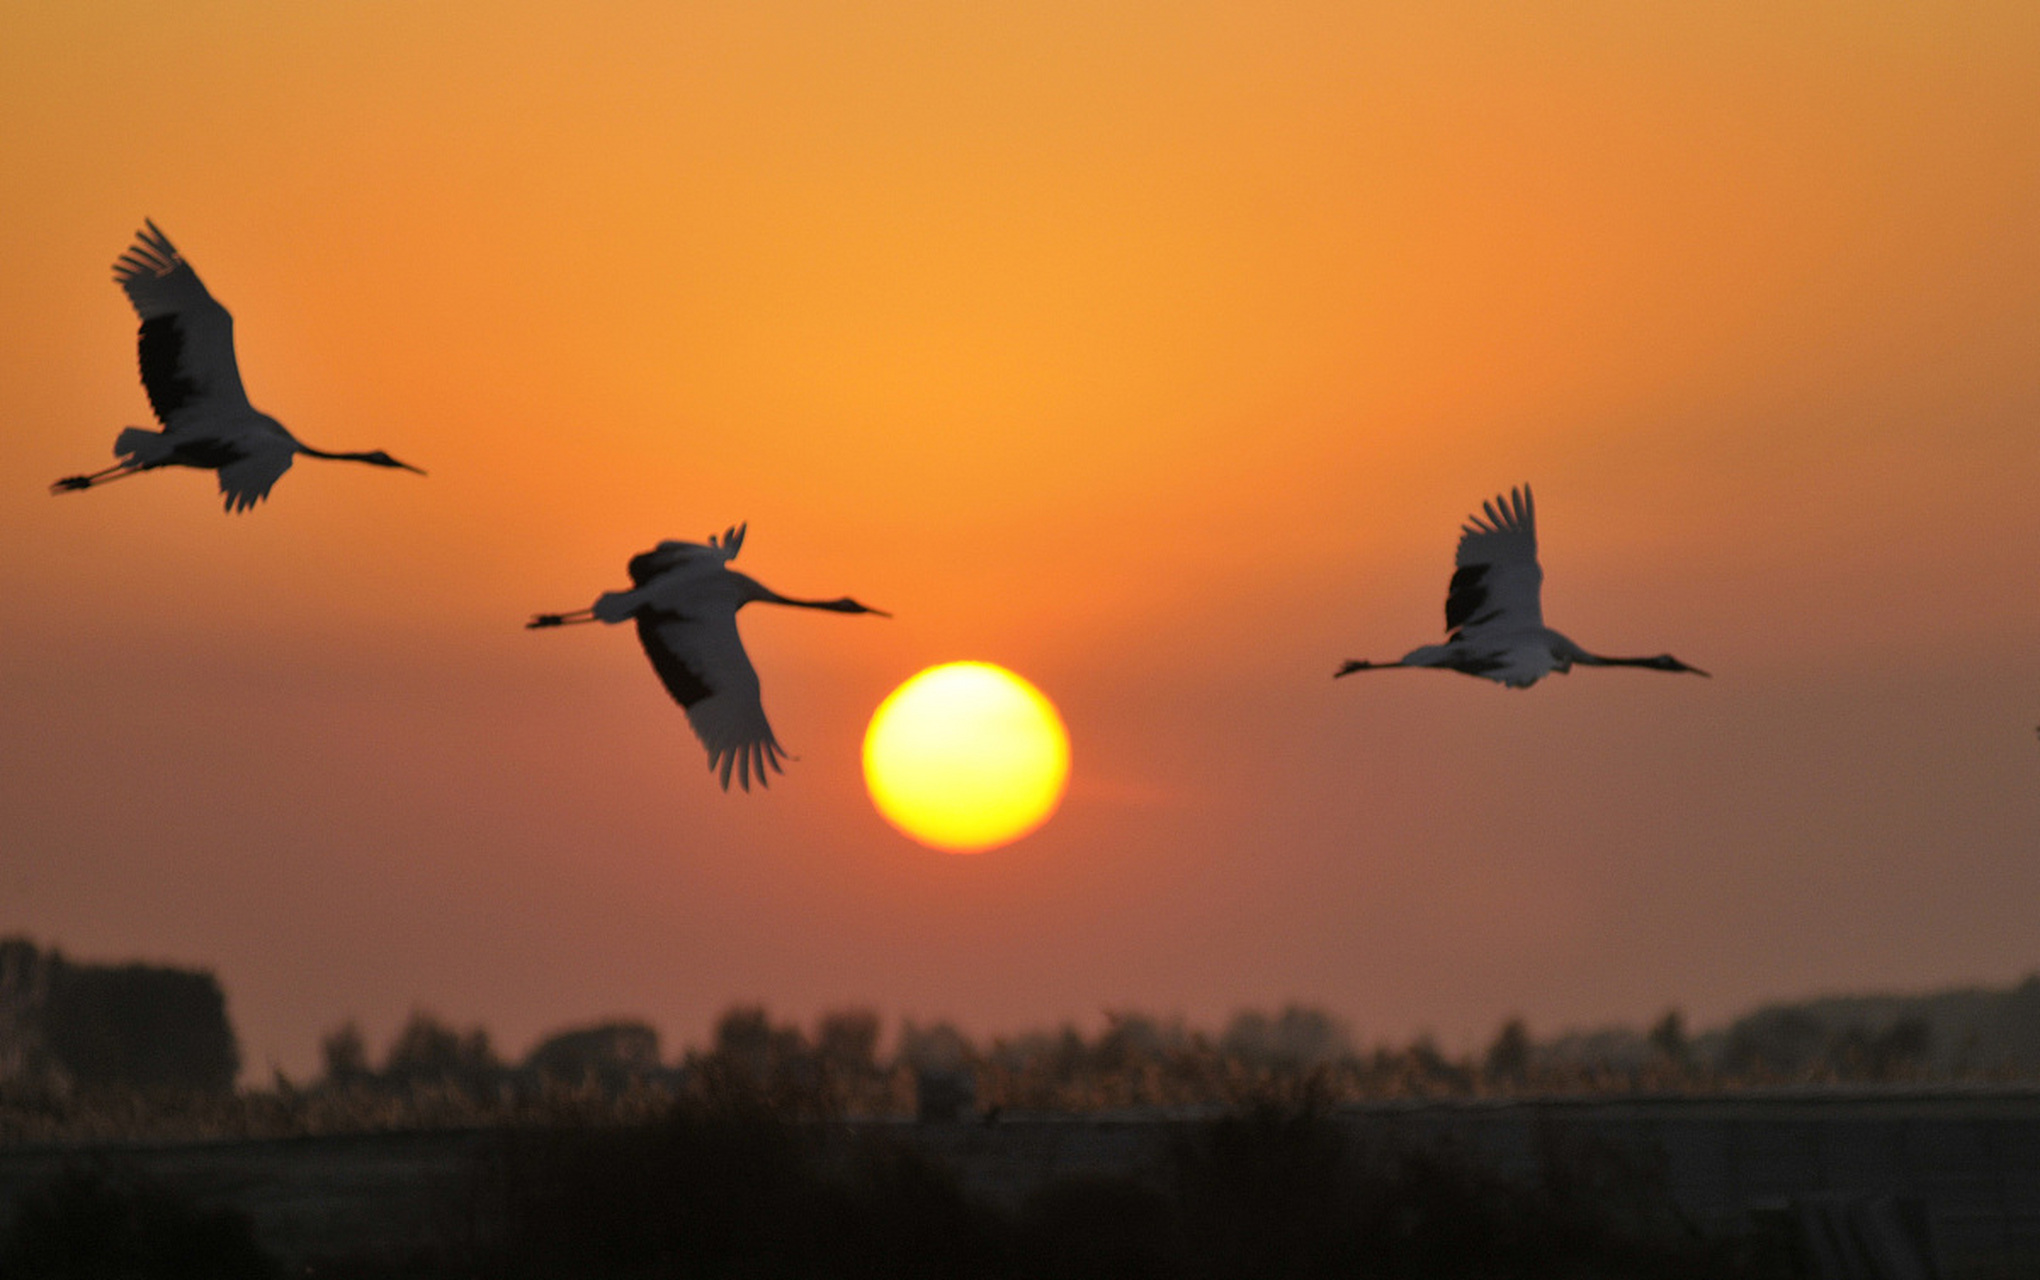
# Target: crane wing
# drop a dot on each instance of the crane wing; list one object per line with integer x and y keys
{"x": 1497, "y": 581}
{"x": 261, "y": 463}
{"x": 702, "y": 663}
{"x": 671, "y": 555}
{"x": 187, "y": 338}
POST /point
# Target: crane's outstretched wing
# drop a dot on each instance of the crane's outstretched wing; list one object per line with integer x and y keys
{"x": 187, "y": 339}
{"x": 671, "y": 555}
{"x": 1497, "y": 582}
{"x": 260, "y": 463}
{"x": 702, "y": 662}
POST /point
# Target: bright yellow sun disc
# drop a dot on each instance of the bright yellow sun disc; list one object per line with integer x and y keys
{"x": 966, "y": 756}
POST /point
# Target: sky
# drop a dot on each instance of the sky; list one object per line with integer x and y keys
{"x": 1155, "y": 350}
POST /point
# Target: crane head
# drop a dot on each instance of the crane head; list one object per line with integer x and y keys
{"x": 381, "y": 459}
{"x": 1666, "y": 662}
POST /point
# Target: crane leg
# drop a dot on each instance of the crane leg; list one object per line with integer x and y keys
{"x": 559, "y": 619}
{"x": 114, "y": 472}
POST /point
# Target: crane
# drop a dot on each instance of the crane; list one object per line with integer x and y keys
{"x": 684, "y": 598}
{"x": 194, "y": 386}
{"x": 1494, "y": 622}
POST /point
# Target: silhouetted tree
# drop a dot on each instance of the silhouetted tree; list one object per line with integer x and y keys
{"x": 846, "y": 1050}
{"x": 1432, "y": 1070}
{"x": 1858, "y": 1053}
{"x": 24, "y": 992}
{"x": 1784, "y": 1041}
{"x": 609, "y": 1054}
{"x": 1668, "y": 1037}
{"x": 345, "y": 1055}
{"x": 427, "y": 1051}
{"x": 1508, "y": 1058}
{"x": 1795, "y": 1040}
{"x": 745, "y": 1037}
{"x": 940, "y": 1047}
{"x": 1297, "y": 1038}
{"x": 847, "y": 1041}
{"x": 1907, "y": 1045}
{"x": 1136, "y": 1042}
{"x": 139, "y": 1026}
{"x": 755, "y": 1065}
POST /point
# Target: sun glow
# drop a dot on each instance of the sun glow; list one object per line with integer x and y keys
{"x": 966, "y": 757}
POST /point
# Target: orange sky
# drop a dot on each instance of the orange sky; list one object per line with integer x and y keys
{"x": 1154, "y": 350}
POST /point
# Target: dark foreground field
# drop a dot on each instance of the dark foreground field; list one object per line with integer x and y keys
{"x": 1784, "y": 1185}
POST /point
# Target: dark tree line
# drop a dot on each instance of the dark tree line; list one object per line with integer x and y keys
{"x": 66, "y": 1026}
{"x": 428, "y": 1052}
{"x": 70, "y": 1030}
{"x": 842, "y": 1067}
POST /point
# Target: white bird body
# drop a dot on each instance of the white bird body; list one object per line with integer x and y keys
{"x": 684, "y": 599}
{"x": 186, "y": 347}
{"x": 1517, "y": 659}
{"x": 1493, "y": 611}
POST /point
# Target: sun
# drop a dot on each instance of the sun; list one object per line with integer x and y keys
{"x": 966, "y": 757}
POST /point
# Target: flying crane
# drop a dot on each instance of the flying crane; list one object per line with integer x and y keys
{"x": 684, "y": 598}
{"x": 1495, "y": 623}
{"x": 194, "y": 386}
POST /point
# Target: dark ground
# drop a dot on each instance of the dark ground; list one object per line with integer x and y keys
{"x": 1640, "y": 1188}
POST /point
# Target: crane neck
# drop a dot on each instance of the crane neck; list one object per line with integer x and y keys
{"x": 373, "y": 457}
{"x": 844, "y": 604}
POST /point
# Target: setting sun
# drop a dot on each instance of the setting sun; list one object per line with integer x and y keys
{"x": 966, "y": 756}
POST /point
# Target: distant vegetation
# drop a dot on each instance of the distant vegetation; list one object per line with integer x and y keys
{"x": 604, "y": 1156}
{"x": 67, "y": 1027}
{"x": 91, "y": 1051}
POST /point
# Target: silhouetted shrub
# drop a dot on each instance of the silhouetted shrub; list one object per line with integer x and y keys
{"x": 757, "y": 1068}
{"x": 1668, "y": 1036}
{"x": 1297, "y": 1038}
{"x": 847, "y": 1041}
{"x": 1794, "y": 1042}
{"x": 428, "y": 1051}
{"x": 84, "y": 1225}
{"x": 609, "y": 1054}
{"x": 1508, "y": 1058}
{"x": 1427, "y": 1070}
{"x": 130, "y": 1026}
{"x": 1777, "y": 1041}
{"x": 940, "y": 1047}
{"x": 345, "y": 1055}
